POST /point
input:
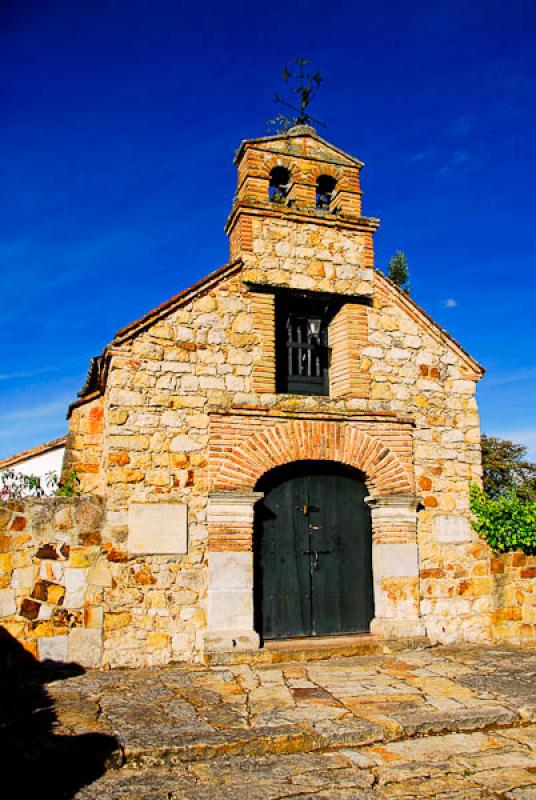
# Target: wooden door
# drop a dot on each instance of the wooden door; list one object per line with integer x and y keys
{"x": 313, "y": 552}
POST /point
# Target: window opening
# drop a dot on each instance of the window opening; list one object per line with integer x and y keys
{"x": 302, "y": 352}
{"x": 325, "y": 188}
{"x": 279, "y": 184}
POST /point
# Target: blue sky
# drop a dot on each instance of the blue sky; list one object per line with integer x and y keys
{"x": 119, "y": 121}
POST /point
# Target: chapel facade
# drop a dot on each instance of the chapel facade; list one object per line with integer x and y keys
{"x": 285, "y": 448}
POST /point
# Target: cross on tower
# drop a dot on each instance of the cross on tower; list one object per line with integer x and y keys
{"x": 305, "y": 83}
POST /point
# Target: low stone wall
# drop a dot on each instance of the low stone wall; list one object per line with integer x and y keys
{"x": 51, "y": 577}
{"x": 71, "y": 591}
{"x": 514, "y": 617}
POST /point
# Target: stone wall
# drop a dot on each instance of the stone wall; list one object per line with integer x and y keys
{"x": 514, "y": 589}
{"x": 83, "y": 449}
{"x": 52, "y": 578}
{"x": 70, "y": 593}
{"x": 416, "y": 370}
{"x": 206, "y": 358}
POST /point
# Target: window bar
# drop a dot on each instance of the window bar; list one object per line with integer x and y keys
{"x": 300, "y": 351}
{"x": 289, "y": 347}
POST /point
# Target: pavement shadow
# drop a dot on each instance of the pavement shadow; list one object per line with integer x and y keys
{"x": 35, "y": 761}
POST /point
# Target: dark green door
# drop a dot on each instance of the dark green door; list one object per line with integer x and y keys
{"x": 313, "y": 552}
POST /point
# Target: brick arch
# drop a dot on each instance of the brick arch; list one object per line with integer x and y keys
{"x": 298, "y": 440}
{"x": 281, "y": 161}
{"x": 326, "y": 169}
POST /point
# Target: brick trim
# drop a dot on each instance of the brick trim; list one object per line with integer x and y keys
{"x": 263, "y": 311}
{"x": 281, "y": 160}
{"x": 348, "y": 335}
{"x": 242, "y": 449}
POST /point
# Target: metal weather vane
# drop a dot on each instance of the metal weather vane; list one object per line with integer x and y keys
{"x": 304, "y": 83}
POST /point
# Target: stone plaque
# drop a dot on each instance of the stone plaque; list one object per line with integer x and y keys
{"x": 452, "y": 528}
{"x": 158, "y": 528}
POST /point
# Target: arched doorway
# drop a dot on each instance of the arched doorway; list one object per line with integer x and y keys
{"x": 312, "y": 552}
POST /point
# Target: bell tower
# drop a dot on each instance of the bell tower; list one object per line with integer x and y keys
{"x": 296, "y": 219}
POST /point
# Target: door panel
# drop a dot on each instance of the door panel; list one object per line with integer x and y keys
{"x": 283, "y": 572}
{"x": 340, "y": 536}
{"x": 313, "y": 552}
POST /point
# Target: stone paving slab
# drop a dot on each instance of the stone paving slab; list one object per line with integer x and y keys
{"x": 476, "y": 765}
{"x": 451, "y": 722}
{"x": 180, "y": 713}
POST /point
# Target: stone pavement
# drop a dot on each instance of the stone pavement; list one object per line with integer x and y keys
{"x": 444, "y": 722}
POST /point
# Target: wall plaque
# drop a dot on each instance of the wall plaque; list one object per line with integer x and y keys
{"x": 157, "y": 528}
{"x": 452, "y": 529}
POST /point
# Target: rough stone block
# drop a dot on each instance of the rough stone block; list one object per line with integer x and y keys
{"x": 23, "y": 577}
{"x": 101, "y": 574}
{"x": 53, "y": 648}
{"x": 156, "y": 640}
{"x": 85, "y": 646}
{"x": 29, "y": 608}
{"x": 93, "y": 617}
{"x": 8, "y": 605}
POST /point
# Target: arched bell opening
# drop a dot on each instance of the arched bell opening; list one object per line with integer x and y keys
{"x": 312, "y": 551}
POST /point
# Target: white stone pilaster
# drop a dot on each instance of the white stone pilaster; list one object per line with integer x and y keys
{"x": 395, "y": 566}
{"x": 230, "y": 576}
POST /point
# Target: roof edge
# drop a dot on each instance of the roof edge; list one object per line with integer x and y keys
{"x": 95, "y": 382}
{"x": 38, "y": 450}
{"x": 293, "y": 133}
{"x": 165, "y": 308}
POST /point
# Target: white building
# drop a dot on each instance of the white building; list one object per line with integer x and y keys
{"x": 39, "y": 461}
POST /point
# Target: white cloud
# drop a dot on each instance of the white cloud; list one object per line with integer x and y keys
{"x": 450, "y": 302}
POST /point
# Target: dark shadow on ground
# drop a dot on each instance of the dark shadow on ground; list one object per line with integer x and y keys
{"x": 36, "y": 762}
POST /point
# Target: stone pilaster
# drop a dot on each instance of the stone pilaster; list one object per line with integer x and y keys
{"x": 230, "y": 572}
{"x": 395, "y": 566}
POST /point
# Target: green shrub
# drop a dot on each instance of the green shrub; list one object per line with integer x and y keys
{"x": 69, "y": 485}
{"x": 507, "y": 522}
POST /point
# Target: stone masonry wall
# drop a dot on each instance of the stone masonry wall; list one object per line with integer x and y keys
{"x": 84, "y": 445}
{"x": 163, "y": 383}
{"x": 514, "y": 614}
{"x": 52, "y": 577}
{"x": 68, "y": 593}
{"x": 414, "y": 372}
{"x": 300, "y": 254}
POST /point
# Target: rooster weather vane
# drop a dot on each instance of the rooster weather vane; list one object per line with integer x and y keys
{"x": 304, "y": 83}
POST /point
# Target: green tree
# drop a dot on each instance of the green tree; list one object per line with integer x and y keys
{"x": 398, "y": 270}
{"x": 506, "y": 469}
